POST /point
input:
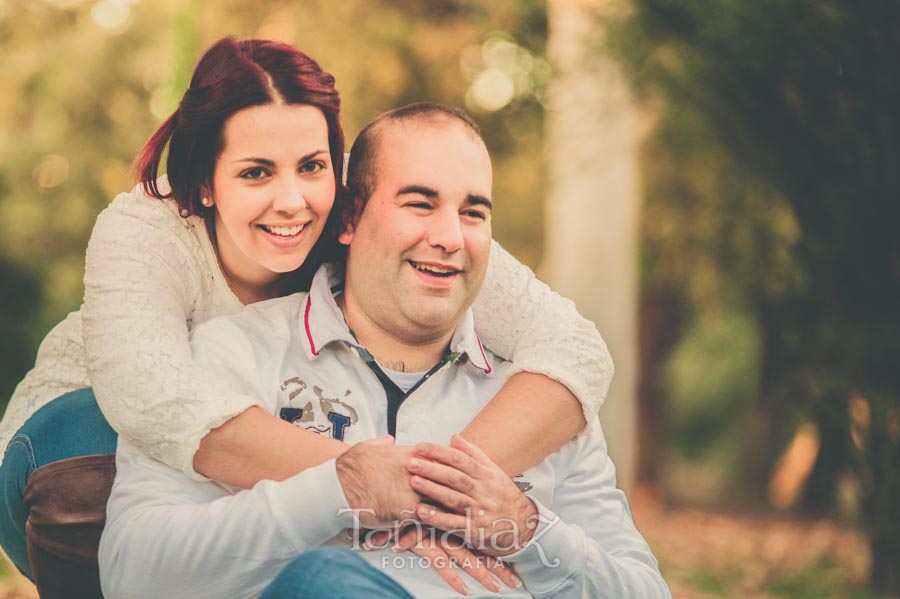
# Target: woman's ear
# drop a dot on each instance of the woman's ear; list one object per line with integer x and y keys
{"x": 207, "y": 197}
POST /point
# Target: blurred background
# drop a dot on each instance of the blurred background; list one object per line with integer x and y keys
{"x": 715, "y": 184}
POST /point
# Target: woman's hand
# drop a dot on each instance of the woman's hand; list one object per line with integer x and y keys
{"x": 482, "y": 502}
{"x": 445, "y": 552}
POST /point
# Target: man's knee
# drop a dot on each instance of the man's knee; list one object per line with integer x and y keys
{"x": 334, "y": 572}
{"x": 322, "y": 563}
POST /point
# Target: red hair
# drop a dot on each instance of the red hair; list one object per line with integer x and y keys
{"x": 231, "y": 76}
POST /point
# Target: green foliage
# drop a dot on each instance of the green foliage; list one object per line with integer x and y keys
{"x": 713, "y": 378}
{"x": 17, "y": 314}
{"x": 707, "y": 581}
{"x": 822, "y": 581}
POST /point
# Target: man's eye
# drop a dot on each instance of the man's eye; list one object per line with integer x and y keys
{"x": 423, "y": 205}
{"x": 477, "y": 214}
{"x": 254, "y": 173}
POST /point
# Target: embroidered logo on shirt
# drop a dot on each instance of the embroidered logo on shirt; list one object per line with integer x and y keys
{"x": 327, "y": 416}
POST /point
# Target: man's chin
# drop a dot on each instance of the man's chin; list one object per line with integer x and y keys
{"x": 426, "y": 315}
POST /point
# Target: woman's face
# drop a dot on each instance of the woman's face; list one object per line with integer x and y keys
{"x": 273, "y": 188}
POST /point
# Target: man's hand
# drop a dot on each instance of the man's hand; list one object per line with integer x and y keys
{"x": 485, "y": 504}
{"x": 376, "y": 483}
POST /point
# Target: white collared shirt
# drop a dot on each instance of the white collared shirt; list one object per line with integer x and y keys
{"x": 168, "y": 535}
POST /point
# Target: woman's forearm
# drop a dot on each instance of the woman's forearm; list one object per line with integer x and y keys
{"x": 530, "y": 417}
{"x": 256, "y": 445}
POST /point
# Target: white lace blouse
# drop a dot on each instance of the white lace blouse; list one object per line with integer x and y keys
{"x": 151, "y": 276}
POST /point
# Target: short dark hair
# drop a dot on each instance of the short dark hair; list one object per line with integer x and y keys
{"x": 362, "y": 176}
{"x": 231, "y": 76}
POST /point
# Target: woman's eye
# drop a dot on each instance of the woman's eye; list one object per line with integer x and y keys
{"x": 313, "y": 167}
{"x": 254, "y": 173}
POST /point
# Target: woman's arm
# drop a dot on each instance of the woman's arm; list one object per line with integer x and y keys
{"x": 146, "y": 275}
{"x": 530, "y": 417}
{"x": 141, "y": 280}
{"x": 256, "y": 445}
{"x": 554, "y": 351}
{"x": 563, "y": 366}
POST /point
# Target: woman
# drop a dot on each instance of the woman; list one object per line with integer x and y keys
{"x": 160, "y": 263}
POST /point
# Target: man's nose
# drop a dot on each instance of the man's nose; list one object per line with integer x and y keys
{"x": 445, "y": 231}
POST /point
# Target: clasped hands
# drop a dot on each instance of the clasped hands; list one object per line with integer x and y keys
{"x": 450, "y": 505}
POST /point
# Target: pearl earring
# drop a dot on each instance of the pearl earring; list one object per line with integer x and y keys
{"x": 206, "y": 202}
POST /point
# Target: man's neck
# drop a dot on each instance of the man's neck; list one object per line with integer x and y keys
{"x": 390, "y": 349}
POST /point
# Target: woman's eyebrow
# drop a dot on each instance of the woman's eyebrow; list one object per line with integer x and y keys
{"x": 268, "y": 162}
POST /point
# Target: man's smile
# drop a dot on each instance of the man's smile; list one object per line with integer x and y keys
{"x": 436, "y": 269}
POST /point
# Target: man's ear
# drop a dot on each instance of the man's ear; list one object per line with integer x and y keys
{"x": 350, "y": 217}
{"x": 346, "y": 235}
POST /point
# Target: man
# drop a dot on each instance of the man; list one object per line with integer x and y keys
{"x": 387, "y": 348}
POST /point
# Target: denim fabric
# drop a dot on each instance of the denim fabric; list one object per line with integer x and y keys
{"x": 69, "y": 426}
{"x": 335, "y": 573}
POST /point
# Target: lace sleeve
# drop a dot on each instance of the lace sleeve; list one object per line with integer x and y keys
{"x": 522, "y": 320}
{"x": 143, "y": 280}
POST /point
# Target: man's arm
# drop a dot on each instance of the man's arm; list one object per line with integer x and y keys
{"x": 587, "y": 546}
{"x": 169, "y": 536}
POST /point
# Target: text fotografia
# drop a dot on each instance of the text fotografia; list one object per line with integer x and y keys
{"x": 501, "y": 538}
{"x": 404, "y": 561}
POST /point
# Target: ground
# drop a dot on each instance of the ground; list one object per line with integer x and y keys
{"x": 705, "y": 555}
{"x": 713, "y": 555}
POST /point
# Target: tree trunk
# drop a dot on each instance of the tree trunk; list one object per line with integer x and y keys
{"x": 660, "y": 320}
{"x": 593, "y": 201}
{"x": 878, "y": 467}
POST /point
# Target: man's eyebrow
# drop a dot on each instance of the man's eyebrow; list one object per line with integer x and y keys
{"x": 271, "y": 163}
{"x": 480, "y": 201}
{"x": 471, "y": 199}
{"x": 418, "y": 190}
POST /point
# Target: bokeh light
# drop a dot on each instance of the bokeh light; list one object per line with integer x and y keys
{"x": 51, "y": 171}
{"x": 492, "y": 90}
{"x": 113, "y": 16}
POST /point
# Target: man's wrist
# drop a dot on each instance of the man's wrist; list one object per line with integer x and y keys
{"x": 526, "y": 521}
{"x": 350, "y": 482}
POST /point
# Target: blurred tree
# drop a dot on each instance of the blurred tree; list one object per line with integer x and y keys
{"x": 593, "y": 200}
{"x": 802, "y": 97}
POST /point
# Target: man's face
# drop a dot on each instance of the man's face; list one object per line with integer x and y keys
{"x": 420, "y": 248}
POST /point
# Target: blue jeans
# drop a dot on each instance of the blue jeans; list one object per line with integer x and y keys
{"x": 69, "y": 426}
{"x": 335, "y": 573}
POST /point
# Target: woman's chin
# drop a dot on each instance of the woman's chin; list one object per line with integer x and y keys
{"x": 285, "y": 266}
